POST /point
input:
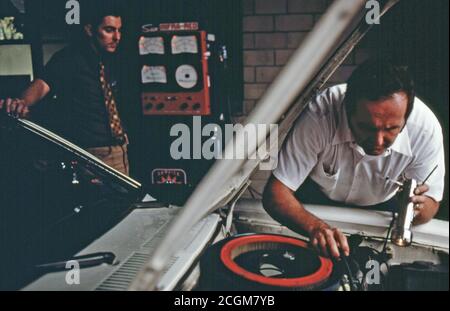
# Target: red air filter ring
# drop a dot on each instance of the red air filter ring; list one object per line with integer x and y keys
{"x": 227, "y": 257}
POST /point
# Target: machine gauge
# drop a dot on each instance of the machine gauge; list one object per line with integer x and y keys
{"x": 154, "y": 74}
{"x": 154, "y": 45}
{"x": 186, "y": 76}
{"x": 184, "y": 44}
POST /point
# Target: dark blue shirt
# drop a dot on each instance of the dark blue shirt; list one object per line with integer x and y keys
{"x": 73, "y": 75}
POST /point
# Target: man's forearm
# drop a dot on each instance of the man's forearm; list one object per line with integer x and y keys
{"x": 280, "y": 202}
{"x": 35, "y": 92}
{"x": 282, "y": 205}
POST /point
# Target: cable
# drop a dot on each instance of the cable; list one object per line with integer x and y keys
{"x": 349, "y": 272}
{"x": 383, "y": 251}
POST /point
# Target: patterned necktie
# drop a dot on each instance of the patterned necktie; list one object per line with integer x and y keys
{"x": 114, "y": 120}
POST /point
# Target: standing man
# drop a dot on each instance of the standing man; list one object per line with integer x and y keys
{"x": 348, "y": 146}
{"x": 83, "y": 79}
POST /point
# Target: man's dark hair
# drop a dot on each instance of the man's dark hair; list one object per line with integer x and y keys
{"x": 376, "y": 79}
{"x": 93, "y": 12}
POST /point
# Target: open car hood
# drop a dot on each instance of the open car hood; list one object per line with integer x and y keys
{"x": 56, "y": 199}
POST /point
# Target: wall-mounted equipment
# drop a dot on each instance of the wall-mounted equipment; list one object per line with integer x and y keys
{"x": 174, "y": 70}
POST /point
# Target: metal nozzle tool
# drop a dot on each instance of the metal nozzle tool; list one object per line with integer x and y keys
{"x": 402, "y": 234}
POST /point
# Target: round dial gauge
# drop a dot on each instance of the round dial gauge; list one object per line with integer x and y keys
{"x": 186, "y": 76}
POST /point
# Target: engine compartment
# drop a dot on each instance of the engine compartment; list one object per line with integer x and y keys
{"x": 375, "y": 264}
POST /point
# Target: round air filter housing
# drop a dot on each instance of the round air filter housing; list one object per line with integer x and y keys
{"x": 265, "y": 262}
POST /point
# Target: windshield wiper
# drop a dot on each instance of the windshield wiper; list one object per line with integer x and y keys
{"x": 84, "y": 261}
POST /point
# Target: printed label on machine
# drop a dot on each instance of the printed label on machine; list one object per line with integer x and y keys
{"x": 186, "y": 76}
{"x": 153, "y": 45}
{"x": 184, "y": 44}
{"x": 154, "y": 74}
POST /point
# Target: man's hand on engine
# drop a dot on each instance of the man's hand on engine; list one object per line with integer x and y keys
{"x": 328, "y": 241}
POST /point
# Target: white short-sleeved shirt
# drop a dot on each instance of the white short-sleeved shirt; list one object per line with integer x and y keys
{"x": 321, "y": 146}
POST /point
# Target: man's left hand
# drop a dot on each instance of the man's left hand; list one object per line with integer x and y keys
{"x": 424, "y": 206}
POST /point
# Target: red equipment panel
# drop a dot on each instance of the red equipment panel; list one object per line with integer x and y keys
{"x": 175, "y": 79}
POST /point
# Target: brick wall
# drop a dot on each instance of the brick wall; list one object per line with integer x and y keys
{"x": 272, "y": 30}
